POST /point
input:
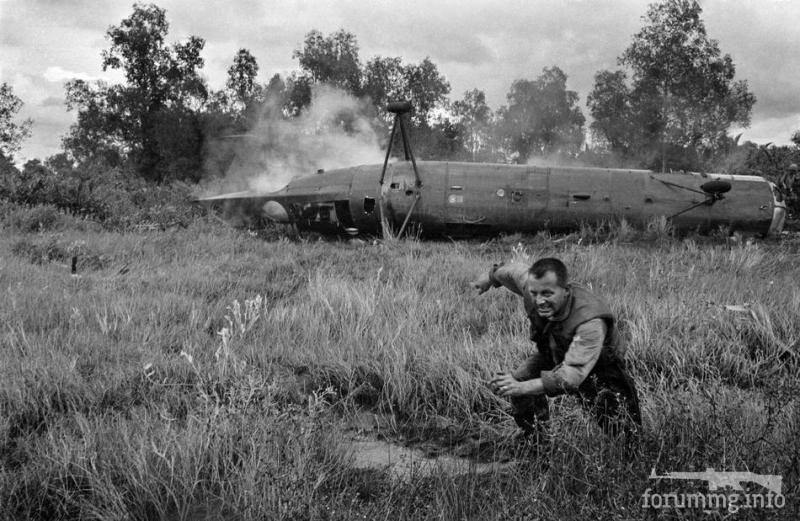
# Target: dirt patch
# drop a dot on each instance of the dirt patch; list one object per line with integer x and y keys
{"x": 405, "y": 463}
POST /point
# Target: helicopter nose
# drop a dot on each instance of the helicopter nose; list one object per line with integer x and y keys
{"x": 275, "y": 211}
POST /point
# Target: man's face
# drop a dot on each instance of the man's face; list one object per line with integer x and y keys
{"x": 548, "y": 297}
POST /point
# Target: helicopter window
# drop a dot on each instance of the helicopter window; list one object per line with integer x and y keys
{"x": 394, "y": 186}
{"x": 369, "y": 204}
{"x": 325, "y": 213}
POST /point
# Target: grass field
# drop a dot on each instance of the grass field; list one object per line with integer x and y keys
{"x": 207, "y": 373}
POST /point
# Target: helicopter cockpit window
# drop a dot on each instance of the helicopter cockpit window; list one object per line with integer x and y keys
{"x": 369, "y": 204}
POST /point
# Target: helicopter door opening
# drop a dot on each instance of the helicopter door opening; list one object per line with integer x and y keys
{"x": 343, "y": 213}
{"x": 325, "y": 217}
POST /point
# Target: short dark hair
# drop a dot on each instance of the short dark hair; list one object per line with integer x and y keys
{"x": 539, "y": 268}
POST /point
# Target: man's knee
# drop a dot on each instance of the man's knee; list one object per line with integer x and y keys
{"x": 616, "y": 412}
{"x": 530, "y": 412}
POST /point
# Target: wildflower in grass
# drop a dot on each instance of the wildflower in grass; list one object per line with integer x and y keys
{"x": 243, "y": 319}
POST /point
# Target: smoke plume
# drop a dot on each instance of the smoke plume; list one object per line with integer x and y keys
{"x": 334, "y": 131}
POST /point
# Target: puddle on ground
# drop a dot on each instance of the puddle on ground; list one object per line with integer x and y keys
{"x": 404, "y": 463}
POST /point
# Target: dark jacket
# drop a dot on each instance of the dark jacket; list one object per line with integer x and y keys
{"x": 581, "y": 307}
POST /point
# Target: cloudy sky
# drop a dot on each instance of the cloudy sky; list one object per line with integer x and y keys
{"x": 476, "y": 44}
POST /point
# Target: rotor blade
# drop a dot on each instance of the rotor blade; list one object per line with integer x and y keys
{"x": 706, "y": 202}
{"x": 678, "y": 186}
{"x": 246, "y": 194}
{"x": 408, "y": 215}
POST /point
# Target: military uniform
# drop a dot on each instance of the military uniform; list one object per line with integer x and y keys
{"x": 789, "y": 185}
{"x": 578, "y": 352}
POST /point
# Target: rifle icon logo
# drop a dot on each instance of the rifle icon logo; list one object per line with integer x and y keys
{"x": 719, "y": 479}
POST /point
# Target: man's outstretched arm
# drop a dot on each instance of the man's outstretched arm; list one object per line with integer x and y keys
{"x": 511, "y": 276}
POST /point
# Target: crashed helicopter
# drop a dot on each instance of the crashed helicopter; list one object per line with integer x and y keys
{"x": 466, "y": 199}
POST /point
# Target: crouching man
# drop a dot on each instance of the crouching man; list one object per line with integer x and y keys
{"x": 578, "y": 350}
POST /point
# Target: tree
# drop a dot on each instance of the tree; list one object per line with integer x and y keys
{"x": 332, "y": 60}
{"x": 389, "y": 79}
{"x": 242, "y": 79}
{"x": 542, "y": 117}
{"x": 608, "y": 104}
{"x": 298, "y": 95}
{"x": 7, "y": 171}
{"x": 475, "y": 117}
{"x": 276, "y": 88}
{"x": 682, "y": 99}
{"x": 11, "y": 133}
{"x": 157, "y": 75}
{"x": 163, "y": 87}
{"x": 100, "y": 130}
{"x": 426, "y": 89}
{"x": 384, "y": 81}
{"x": 442, "y": 139}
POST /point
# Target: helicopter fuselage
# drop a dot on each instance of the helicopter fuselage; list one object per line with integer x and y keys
{"x": 466, "y": 199}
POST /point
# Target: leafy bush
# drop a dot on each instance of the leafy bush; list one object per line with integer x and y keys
{"x": 53, "y": 248}
{"x": 39, "y": 218}
{"x": 39, "y": 252}
{"x": 44, "y": 198}
{"x": 151, "y": 206}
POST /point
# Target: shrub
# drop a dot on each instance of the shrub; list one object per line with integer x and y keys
{"x": 41, "y": 199}
{"x": 39, "y": 218}
{"x": 52, "y": 248}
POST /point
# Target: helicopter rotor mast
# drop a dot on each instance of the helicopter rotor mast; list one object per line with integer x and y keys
{"x": 399, "y": 108}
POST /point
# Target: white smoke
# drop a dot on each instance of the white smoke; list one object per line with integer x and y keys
{"x": 554, "y": 159}
{"x": 332, "y": 132}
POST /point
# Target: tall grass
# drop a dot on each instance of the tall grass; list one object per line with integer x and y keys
{"x": 204, "y": 372}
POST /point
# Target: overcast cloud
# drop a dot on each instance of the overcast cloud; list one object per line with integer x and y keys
{"x": 476, "y": 44}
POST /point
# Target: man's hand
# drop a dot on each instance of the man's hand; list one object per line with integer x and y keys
{"x": 507, "y": 386}
{"x": 483, "y": 284}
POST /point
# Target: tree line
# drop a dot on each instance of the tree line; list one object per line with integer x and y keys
{"x": 670, "y": 105}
